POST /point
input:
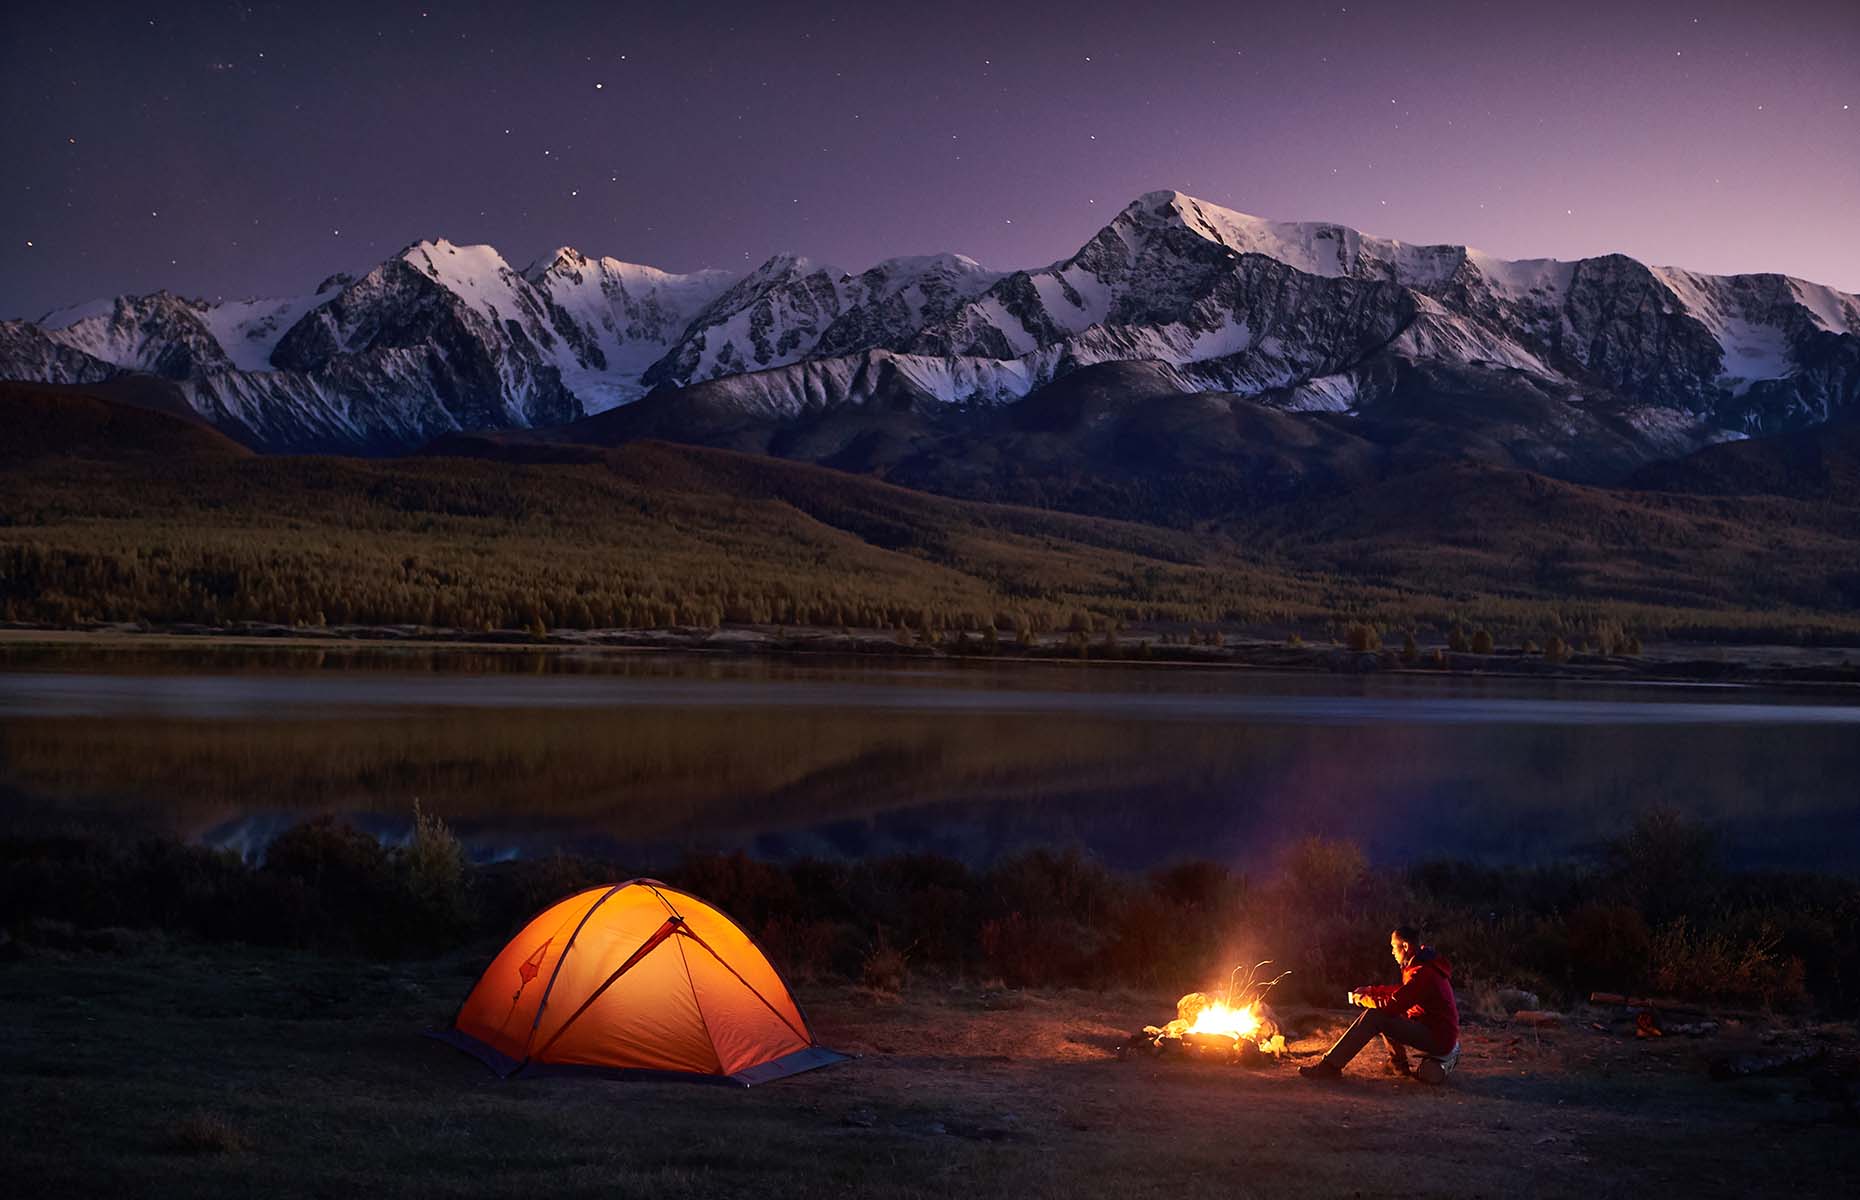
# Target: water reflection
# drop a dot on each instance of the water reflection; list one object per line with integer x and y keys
{"x": 646, "y": 756}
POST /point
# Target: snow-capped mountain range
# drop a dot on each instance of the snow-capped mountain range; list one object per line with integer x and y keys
{"x": 1300, "y": 317}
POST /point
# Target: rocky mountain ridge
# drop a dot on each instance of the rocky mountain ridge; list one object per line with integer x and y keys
{"x": 1583, "y": 369}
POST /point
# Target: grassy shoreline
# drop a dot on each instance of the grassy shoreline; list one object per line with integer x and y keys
{"x": 1657, "y": 912}
{"x": 1835, "y": 667}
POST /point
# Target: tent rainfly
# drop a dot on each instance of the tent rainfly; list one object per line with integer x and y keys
{"x": 635, "y": 979}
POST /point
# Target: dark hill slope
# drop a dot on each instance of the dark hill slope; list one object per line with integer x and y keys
{"x": 1811, "y": 464}
{"x": 1123, "y": 439}
{"x": 126, "y": 419}
{"x": 487, "y": 532}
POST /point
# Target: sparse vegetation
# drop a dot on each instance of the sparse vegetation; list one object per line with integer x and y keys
{"x": 1657, "y": 912}
{"x": 1362, "y": 638}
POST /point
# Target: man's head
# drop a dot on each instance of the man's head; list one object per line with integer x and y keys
{"x": 1404, "y": 940}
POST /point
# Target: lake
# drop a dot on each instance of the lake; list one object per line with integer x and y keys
{"x": 646, "y": 756}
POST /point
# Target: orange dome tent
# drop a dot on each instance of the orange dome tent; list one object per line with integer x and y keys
{"x": 636, "y": 978}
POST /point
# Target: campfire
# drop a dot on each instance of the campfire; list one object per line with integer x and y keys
{"x": 1236, "y": 1027}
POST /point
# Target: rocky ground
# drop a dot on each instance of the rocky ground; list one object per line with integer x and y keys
{"x": 146, "y": 1069}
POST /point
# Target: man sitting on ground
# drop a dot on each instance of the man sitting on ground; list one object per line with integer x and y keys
{"x": 1420, "y": 1013}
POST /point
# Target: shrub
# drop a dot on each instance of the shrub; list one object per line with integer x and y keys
{"x": 1665, "y": 865}
{"x": 1044, "y": 882}
{"x": 1320, "y": 872}
{"x": 1028, "y": 951}
{"x": 206, "y": 1133}
{"x": 748, "y": 890}
{"x": 339, "y": 884}
{"x": 1410, "y": 649}
{"x": 804, "y": 951}
{"x": 884, "y": 968}
{"x": 1362, "y": 638}
{"x": 1198, "y": 886}
{"x": 1604, "y": 947}
{"x": 1457, "y": 641}
{"x": 1725, "y": 965}
{"x": 1482, "y": 642}
{"x": 432, "y": 867}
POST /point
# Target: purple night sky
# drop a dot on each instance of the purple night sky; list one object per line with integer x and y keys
{"x": 225, "y": 149}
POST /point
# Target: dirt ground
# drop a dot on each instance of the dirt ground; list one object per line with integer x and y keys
{"x": 156, "y": 1071}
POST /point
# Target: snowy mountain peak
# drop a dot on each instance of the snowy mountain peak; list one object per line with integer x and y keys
{"x": 928, "y": 264}
{"x": 470, "y": 267}
{"x": 1315, "y": 247}
{"x": 564, "y": 257}
{"x": 1299, "y": 314}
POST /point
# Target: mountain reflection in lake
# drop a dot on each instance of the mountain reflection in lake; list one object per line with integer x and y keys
{"x": 646, "y": 756}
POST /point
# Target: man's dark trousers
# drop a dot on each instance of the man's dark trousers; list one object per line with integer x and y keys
{"x": 1397, "y": 1032}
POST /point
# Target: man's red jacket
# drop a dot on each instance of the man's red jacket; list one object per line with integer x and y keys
{"x": 1425, "y": 995}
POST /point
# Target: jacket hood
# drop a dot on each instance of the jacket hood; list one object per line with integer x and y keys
{"x": 1427, "y": 956}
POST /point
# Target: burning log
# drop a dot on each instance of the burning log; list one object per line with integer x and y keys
{"x": 1218, "y": 1030}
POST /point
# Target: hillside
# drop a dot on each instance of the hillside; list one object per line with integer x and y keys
{"x": 128, "y": 418}
{"x": 490, "y": 534}
{"x": 1811, "y": 464}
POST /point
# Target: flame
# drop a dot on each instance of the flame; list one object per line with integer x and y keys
{"x": 1218, "y": 1018}
{"x": 1201, "y": 1013}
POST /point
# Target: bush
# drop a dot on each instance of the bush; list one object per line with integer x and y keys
{"x": 1665, "y": 865}
{"x": 1362, "y": 638}
{"x": 884, "y": 968}
{"x": 1659, "y": 913}
{"x": 432, "y": 867}
{"x": 338, "y": 882}
{"x": 804, "y": 951}
{"x": 206, "y": 1133}
{"x": 1605, "y": 947}
{"x": 1063, "y": 884}
{"x": 1320, "y": 873}
{"x": 1725, "y": 965}
{"x": 1482, "y": 642}
{"x": 1026, "y": 951}
{"x": 747, "y": 890}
